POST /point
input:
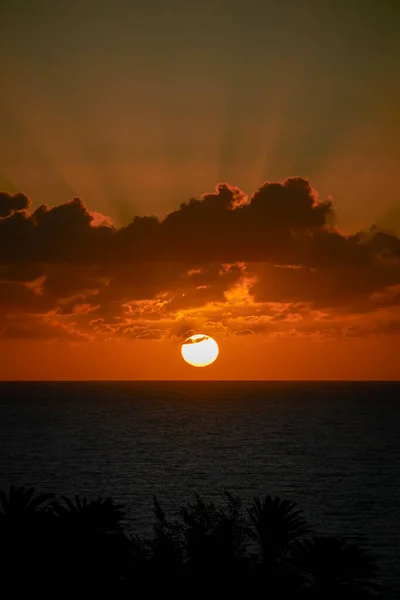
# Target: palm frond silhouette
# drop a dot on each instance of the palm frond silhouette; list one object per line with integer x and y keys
{"x": 275, "y": 525}
{"x": 22, "y": 502}
{"x": 102, "y": 515}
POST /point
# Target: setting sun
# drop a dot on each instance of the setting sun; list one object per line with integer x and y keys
{"x": 200, "y": 350}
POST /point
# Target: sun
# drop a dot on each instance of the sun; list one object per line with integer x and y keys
{"x": 200, "y": 350}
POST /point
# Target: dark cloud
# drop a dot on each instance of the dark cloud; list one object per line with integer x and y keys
{"x": 220, "y": 227}
{"x": 244, "y": 332}
{"x": 216, "y": 259}
{"x": 346, "y": 285}
{"x": 53, "y": 235}
{"x": 190, "y": 340}
{"x": 10, "y": 203}
{"x": 36, "y": 328}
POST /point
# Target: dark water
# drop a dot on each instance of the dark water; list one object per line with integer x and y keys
{"x": 333, "y": 447}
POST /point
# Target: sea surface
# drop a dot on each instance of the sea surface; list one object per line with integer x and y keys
{"x": 332, "y": 447}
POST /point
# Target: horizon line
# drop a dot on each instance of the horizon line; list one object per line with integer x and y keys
{"x": 2, "y": 381}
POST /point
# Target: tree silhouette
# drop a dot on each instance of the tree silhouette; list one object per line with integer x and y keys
{"x": 92, "y": 542}
{"x": 335, "y": 568}
{"x": 21, "y": 504}
{"x": 25, "y": 534}
{"x": 275, "y": 525}
{"x": 213, "y": 537}
{"x": 49, "y": 544}
{"x": 160, "y": 561}
{"x": 101, "y": 516}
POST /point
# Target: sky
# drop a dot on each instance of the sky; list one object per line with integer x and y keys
{"x": 114, "y": 115}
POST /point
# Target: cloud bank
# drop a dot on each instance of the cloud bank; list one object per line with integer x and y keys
{"x": 272, "y": 264}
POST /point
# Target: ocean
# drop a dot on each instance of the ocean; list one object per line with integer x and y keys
{"x": 332, "y": 447}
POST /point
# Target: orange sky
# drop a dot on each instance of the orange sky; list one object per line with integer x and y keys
{"x": 374, "y": 359}
{"x": 137, "y": 107}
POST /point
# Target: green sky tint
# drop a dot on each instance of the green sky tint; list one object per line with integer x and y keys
{"x": 136, "y": 106}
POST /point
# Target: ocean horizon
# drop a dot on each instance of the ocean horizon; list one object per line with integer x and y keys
{"x": 242, "y": 380}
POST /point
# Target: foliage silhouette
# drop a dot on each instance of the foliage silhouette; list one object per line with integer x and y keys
{"x": 100, "y": 516}
{"x": 268, "y": 549}
{"x": 21, "y": 503}
{"x": 276, "y": 525}
{"x": 334, "y": 566}
{"x": 25, "y": 532}
{"x": 92, "y": 541}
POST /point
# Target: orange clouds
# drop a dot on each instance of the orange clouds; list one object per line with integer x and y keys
{"x": 271, "y": 265}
